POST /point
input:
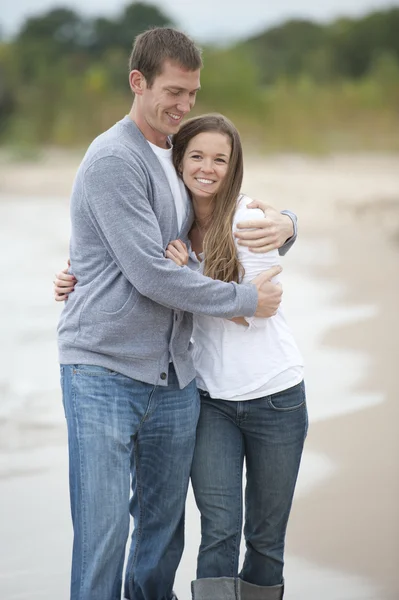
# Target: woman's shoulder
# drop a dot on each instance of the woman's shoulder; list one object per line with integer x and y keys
{"x": 243, "y": 213}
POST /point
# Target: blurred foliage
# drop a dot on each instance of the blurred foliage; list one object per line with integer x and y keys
{"x": 299, "y": 86}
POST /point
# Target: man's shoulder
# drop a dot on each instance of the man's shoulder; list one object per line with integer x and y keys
{"x": 118, "y": 142}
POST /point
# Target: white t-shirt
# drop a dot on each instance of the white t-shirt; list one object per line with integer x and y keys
{"x": 234, "y": 362}
{"x": 177, "y": 186}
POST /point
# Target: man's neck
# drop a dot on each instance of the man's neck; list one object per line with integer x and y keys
{"x": 155, "y": 137}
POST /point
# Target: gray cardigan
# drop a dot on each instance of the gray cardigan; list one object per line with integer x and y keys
{"x": 131, "y": 308}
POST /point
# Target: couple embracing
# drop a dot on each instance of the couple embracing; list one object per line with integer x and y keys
{"x": 176, "y": 359}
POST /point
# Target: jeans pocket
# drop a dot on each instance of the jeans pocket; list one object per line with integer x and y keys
{"x": 93, "y": 371}
{"x": 62, "y": 387}
{"x": 289, "y": 400}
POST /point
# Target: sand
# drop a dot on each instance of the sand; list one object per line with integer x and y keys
{"x": 342, "y": 295}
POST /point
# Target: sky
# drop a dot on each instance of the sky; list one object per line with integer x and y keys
{"x": 205, "y": 20}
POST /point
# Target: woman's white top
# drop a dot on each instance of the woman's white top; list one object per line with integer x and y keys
{"x": 234, "y": 362}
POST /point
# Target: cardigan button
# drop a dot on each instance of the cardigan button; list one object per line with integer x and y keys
{"x": 163, "y": 376}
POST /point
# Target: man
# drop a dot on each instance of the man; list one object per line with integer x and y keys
{"x": 124, "y": 336}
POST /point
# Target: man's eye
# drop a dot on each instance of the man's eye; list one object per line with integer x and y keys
{"x": 175, "y": 93}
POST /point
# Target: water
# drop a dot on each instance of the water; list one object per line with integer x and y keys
{"x": 35, "y": 528}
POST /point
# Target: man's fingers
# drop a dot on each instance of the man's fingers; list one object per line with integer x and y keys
{"x": 265, "y": 228}
{"x": 258, "y": 204}
{"x": 268, "y": 240}
{"x": 263, "y": 249}
{"x": 267, "y": 275}
{"x": 252, "y": 224}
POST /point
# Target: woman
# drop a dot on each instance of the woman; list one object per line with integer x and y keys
{"x": 250, "y": 377}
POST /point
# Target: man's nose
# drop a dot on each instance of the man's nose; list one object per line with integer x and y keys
{"x": 184, "y": 105}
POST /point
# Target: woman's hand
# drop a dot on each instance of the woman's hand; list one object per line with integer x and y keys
{"x": 177, "y": 251}
{"x": 64, "y": 284}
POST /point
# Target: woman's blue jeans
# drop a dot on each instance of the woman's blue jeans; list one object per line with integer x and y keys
{"x": 269, "y": 433}
{"x": 121, "y": 429}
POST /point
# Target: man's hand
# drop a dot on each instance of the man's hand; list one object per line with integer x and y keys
{"x": 265, "y": 234}
{"x": 269, "y": 294}
{"x": 64, "y": 284}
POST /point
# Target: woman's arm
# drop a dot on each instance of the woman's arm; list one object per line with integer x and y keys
{"x": 254, "y": 263}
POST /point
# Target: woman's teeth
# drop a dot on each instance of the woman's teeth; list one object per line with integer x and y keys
{"x": 205, "y": 181}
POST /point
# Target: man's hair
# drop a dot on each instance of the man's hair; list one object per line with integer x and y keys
{"x": 154, "y": 46}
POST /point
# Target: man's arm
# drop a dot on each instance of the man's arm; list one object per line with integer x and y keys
{"x": 118, "y": 207}
{"x": 276, "y": 230}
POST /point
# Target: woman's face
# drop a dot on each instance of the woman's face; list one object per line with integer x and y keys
{"x": 205, "y": 163}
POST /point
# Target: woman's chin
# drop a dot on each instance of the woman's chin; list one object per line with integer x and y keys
{"x": 202, "y": 192}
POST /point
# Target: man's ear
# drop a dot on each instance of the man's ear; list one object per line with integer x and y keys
{"x": 137, "y": 82}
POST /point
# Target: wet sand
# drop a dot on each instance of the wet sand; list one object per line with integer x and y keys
{"x": 351, "y": 521}
{"x": 341, "y": 294}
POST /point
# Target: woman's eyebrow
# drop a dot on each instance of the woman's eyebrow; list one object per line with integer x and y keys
{"x": 200, "y": 152}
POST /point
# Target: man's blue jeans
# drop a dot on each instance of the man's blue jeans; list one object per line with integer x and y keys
{"x": 269, "y": 432}
{"x": 119, "y": 429}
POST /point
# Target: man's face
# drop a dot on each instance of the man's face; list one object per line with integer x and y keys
{"x": 170, "y": 98}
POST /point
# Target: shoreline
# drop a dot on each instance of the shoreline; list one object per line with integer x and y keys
{"x": 347, "y": 519}
{"x": 341, "y": 296}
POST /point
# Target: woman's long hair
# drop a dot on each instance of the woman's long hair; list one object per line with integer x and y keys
{"x": 221, "y": 261}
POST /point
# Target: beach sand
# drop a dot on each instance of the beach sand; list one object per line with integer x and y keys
{"x": 341, "y": 297}
{"x": 350, "y": 522}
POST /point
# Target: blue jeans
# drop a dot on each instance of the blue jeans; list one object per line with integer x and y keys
{"x": 269, "y": 432}
{"x": 119, "y": 430}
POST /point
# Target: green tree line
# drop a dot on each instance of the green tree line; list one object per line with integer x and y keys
{"x": 299, "y": 86}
